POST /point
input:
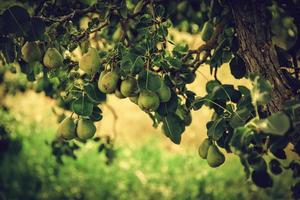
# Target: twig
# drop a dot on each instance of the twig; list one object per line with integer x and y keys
{"x": 115, "y": 116}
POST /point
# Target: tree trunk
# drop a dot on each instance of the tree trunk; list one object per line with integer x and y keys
{"x": 256, "y": 48}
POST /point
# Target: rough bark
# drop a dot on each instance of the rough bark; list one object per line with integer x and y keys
{"x": 256, "y": 48}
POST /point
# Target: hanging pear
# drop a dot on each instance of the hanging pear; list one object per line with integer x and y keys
{"x": 215, "y": 157}
{"x": 66, "y": 129}
{"x": 108, "y": 82}
{"x": 129, "y": 87}
{"x": 85, "y": 129}
{"x": 31, "y": 52}
{"x": 52, "y": 58}
{"x": 148, "y": 100}
{"x": 164, "y": 92}
{"x": 90, "y": 62}
{"x": 203, "y": 148}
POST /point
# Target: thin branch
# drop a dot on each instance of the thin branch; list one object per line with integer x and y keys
{"x": 115, "y": 116}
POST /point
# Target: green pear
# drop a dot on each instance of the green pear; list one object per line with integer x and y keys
{"x": 108, "y": 83}
{"x": 164, "y": 92}
{"x": 119, "y": 94}
{"x": 215, "y": 157}
{"x": 134, "y": 99}
{"x": 203, "y": 148}
{"x": 66, "y": 129}
{"x": 148, "y": 100}
{"x": 129, "y": 87}
{"x": 90, "y": 61}
{"x": 31, "y": 52}
{"x": 52, "y": 58}
{"x": 85, "y": 129}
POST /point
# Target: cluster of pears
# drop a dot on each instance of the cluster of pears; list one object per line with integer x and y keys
{"x": 31, "y": 52}
{"x": 209, "y": 151}
{"x": 82, "y": 129}
{"x": 111, "y": 82}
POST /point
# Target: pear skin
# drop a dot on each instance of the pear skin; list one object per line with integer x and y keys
{"x": 148, "y": 100}
{"x": 85, "y": 129}
{"x": 129, "y": 87}
{"x": 52, "y": 58}
{"x": 203, "y": 148}
{"x": 215, "y": 157}
{"x": 108, "y": 83}
{"x": 67, "y": 129}
{"x": 31, "y": 52}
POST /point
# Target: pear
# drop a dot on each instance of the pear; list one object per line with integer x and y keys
{"x": 52, "y": 58}
{"x": 128, "y": 87}
{"x": 66, "y": 129}
{"x": 119, "y": 94}
{"x": 164, "y": 92}
{"x": 108, "y": 83}
{"x": 148, "y": 101}
{"x": 134, "y": 99}
{"x": 215, "y": 157}
{"x": 90, "y": 62}
{"x": 203, "y": 148}
{"x": 85, "y": 129}
{"x": 31, "y": 52}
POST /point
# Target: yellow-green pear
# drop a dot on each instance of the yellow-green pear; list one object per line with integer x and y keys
{"x": 148, "y": 100}
{"x": 119, "y": 94}
{"x": 85, "y": 129}
{"x": 90, "y": 62}
{"x": 164, "y": 92}
{"x": 31, "y": 52}
{"x": 203, "y": 148}
{"x": 215, "y": 157}
{"x": 108, "y": 83}
{"x": 52, "y": 58}
{"x": 129, "y": 87}
{"x": 67, "y": 129}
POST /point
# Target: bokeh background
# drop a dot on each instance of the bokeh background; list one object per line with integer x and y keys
{"x": 147, "y": 164}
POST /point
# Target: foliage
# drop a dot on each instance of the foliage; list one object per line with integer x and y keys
{"x": 130, "y": 40}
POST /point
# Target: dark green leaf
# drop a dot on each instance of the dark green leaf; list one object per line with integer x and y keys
{"x": 82, "y": 106}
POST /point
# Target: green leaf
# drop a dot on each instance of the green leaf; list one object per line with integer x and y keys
{"x": 241, "y": 139}
{"x": 217, "y": 130}
{"x": 17, "y": 20}
{"x": 261, "y": 90}
{"x": 123, "y": 9}
{"x": 198, "y": 103}
{"x": 149, "y": 80}
{"x": 174, "y": 62}
{"x": 7, "y": 47}
{"x": 237, "y": 67}
{"x": 82, "y": 106}
{"x": 240, "y": 117}
{"x": 94, "y": 94}
{"x": 169, "y": 107}
{"x": 173, "y": 127}
{"x": 276, "y": 124}
{"x": 96, "y": 114}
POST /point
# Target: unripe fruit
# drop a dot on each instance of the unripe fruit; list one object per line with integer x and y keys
{"x": 52, "y": 58}
{"x": 90, "y": 61}
{"x": 129, "y": 87}
{"x": 108, "y": 83}
{"x": 164, "y": 92}
{"x": 66, "y": 129}
{"x": 119, "y": 94}
{"x": 215, "y": 157}
{"x": 31, "y": 52}
{"x": 85, "y": 129}
{"x": 203, "y": 148}
{"x": 148, "y": 100}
